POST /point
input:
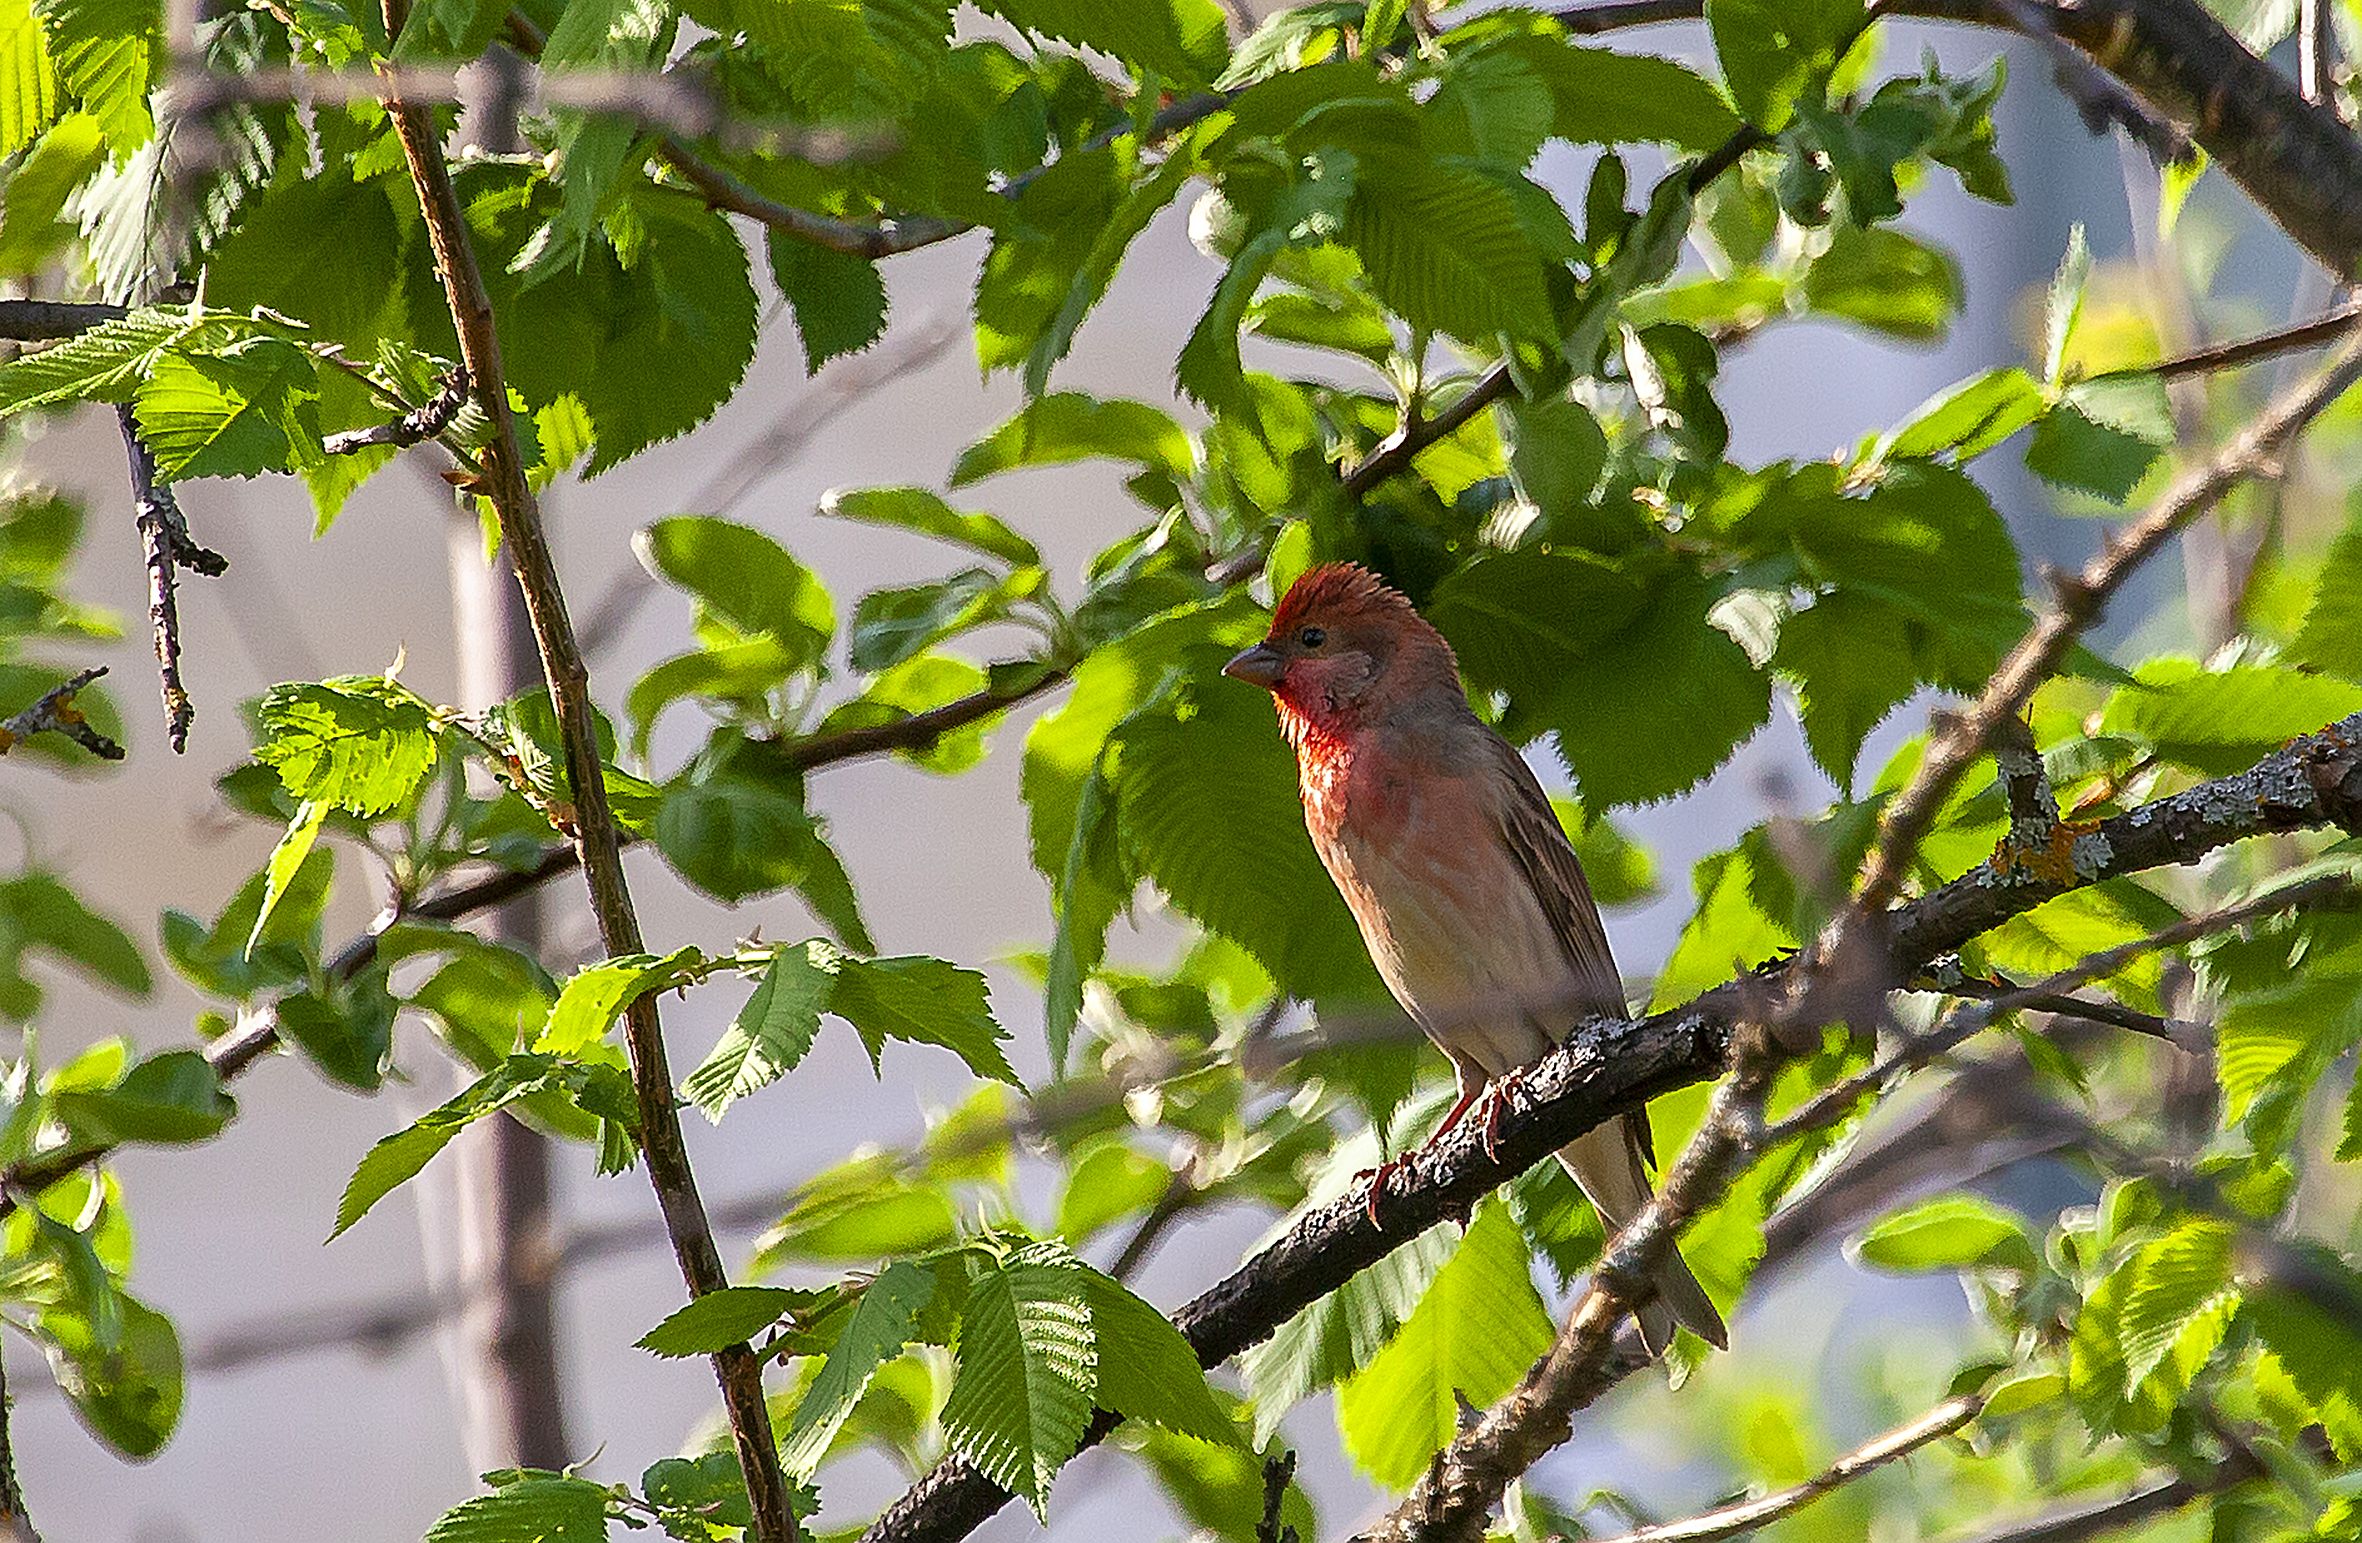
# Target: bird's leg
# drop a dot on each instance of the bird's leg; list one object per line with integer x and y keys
{"x": 1378, "y": 1178}
{"x": 1496, "y": 1095}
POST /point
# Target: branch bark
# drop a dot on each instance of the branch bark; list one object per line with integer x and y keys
{"x": 597, "y": 840}
{"x": 1609, "y": 1067}
{"x": 1732, "y": 1520}
{"x": 164, "y": 536}
{"x": 54, "y": 712}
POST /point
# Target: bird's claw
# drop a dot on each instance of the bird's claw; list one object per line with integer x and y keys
{"x": 1377, "y": 1178}
{"x": 1496, "y": 1097}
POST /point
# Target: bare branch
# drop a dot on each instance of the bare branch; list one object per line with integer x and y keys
{"x": 164, "y": 533}
{"x": 737, "y": 1369}
{"x": 54, "y": 712}
{"x": 1732, "y": 1520}
{"x": 1278, "y": 1471}
{"x": 2144, "y": 1504}
{"x": 51, "y": 321}
{"x": 2181, "y": 1033}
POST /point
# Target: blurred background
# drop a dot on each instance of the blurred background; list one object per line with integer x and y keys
{"x": 310, "y": 1360}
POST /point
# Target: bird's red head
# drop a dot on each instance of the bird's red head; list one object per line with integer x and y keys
{"x": 1341, "y": 640}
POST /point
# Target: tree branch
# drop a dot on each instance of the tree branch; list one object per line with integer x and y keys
{"x": 53, "y": 321}
{"x": 164, "y": 534}
{"x": 1608, "y": 1067}
{"x": 54, "y": 712}
{"x": 2130, "y": 1510}
{"x": 598, "y": 841}
{"x": 1732, "y": 1520}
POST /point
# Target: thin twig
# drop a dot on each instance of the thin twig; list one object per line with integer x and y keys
{"x": 1279, "y": 1471}
{"x": 2181, "y": 1033}
{"x": 1746, "y": 1516}
{"x": 54, "y": 712}
{"x": 414, "y": 427}
{"x": 511, "y": 497}
{"x": 2129, "y": 1510}
{"x": 164, "y": 534}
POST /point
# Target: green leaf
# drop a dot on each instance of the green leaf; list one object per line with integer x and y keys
{"x": 1445, "y": 249}
{"x": 2063, "y": 306}
{"x": 925, "y": 1001}
{"x": 839, "y": 300}
{"x": 126, "y": 1386}
{"x": 1068, "y": 426}
{"x": 718, "y": 1320}
{"x": 880, "y": 1324}
{"x": 1775, "y": 51}
{"x": 1477, "y": 1328}
{"x": 912, "y": 687}
{"x": 771, "y": 1033}
{"x": 397, "y": 1158}
{"x": 1336, "y": 1336}
{"x": 2222, "y": 721}
{"x": 2169, "y": 1283}
{"x": 1605, "y": 96}
{"x": 1886, "y": 281}
{"x": 240, "y": 412}
{"x": 923, "y": 511}
{"x": 107, "y": 54}
{"x": 1957, "y": 1232}
{"x": 2331, "y": 637}
{"x": 1025, "y": 1368}
{"x": 361, "y": 743}
{"x": 734, "y": 837}
{"x": 1112, "y": 1182}
{"x": 1185, "y": 41}
{"x": 170, "y": 1098}
{"x": 2074, "y": 448}
{"x": 892, "y": 625}
{"x": 1147, "y": 1370}
{"x": 107, "y": 363}
{"x": 287, "y": 859}
{"x": 1967, "y": 420}
{"x": 1671, "y": 680}
{"x": 741, "y": 576}
{"x": 28, "y": 88}
{"x": 597, "y": 995}
{"x": 43, "y": 912}
{"x": 1207, "y": 803}
{"x": 544, "y": 1508}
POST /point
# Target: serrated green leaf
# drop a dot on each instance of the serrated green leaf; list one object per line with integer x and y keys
{"x": 771, "y": 1033}
{"x": 1147, "y": 1370}
{"x": 1445, "y": 248}
{"x": 717, "y": 1320}
{"x": 1185, "y": 41}
{"x": 927, "y": 1002}
{"x": 893, "y": 625}
{"x": 2168, "y": 1284}
{"x": 548, "y": 1508}
{"x": 875, "y": 1332}
{"x": 734, "y": 837}
{"x": 362, "y": 743}
{"x": 287, "y": 859}
{"x": 596, "y": 996}
{"x": 2331, "y": 637}
{"x": 1025, "y": 1367}
{"x": 1336, "y": 1336}
{"x": 1477, "y": 1328}
{"x": 1967, "y": 420}
{"x": 2222, "y": 721}
{"x": 839, "y": 300}
{"x": 1775, "y": 51}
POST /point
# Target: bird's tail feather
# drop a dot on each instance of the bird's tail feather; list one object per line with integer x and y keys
{"x": 1607, "y": 1163}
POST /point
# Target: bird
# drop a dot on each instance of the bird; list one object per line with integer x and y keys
{"x": 1471, "y": 900}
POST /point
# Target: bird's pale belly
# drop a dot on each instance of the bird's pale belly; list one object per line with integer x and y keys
{"x": 1460, "y": 941}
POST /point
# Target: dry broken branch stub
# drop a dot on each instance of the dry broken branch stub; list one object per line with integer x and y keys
{"x": 54, "y": 712}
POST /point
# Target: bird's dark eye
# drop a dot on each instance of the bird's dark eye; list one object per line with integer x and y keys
{"x": 1312, "y": 637}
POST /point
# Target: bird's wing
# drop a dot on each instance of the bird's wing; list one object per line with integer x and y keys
{"x": 1530, "y": 829}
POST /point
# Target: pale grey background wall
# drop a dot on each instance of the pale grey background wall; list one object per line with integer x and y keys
{"x": 351, "y": 1442}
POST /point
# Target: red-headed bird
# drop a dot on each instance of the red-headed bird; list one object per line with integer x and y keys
{"x": 1444, "y": 845}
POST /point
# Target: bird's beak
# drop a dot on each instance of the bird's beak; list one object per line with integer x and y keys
{"x": 1261, "y": 665}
